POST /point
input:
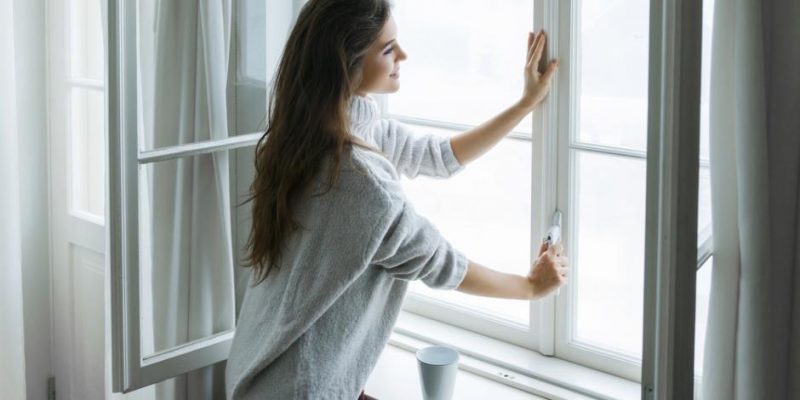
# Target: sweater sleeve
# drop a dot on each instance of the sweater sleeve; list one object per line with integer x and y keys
{"x": 412, "y": 248}
{"x": 414, "y": 153}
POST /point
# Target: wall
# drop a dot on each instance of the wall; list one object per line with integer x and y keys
{"x": 30, "y": 60}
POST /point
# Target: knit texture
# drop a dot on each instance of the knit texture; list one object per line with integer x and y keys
{"x": 316, "y": 326}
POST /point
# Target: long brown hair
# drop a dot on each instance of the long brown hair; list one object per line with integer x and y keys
{"x": 319, "y": 71}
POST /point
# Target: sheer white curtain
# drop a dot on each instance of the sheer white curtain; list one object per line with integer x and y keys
{"x": 752, "y": 349}
{"x": 12, "y": 363}
{"x": 188, "y": 209}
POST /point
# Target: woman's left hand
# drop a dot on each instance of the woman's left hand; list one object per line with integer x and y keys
{"x": 537, "y": 83}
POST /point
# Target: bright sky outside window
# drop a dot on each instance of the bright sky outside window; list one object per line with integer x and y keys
{"x": 473, "y": 71}
{"x": 465, "y": 60}
{"x": 485, "y": 211}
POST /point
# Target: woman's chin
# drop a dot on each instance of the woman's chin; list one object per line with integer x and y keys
{"x": 390, "y": 87}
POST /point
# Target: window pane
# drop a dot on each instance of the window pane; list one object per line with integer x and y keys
{"x": 465, "y": 60}
{"x": 608, "y": 253}
{"x": 704, "y": 196}
{"x": 185, "y": 251}
{"x": 86, "y": 39}
{"x": 182, "y": 66}
{"x": 704, "y": 205}
{"x": 705, "y": 76}
{"x": 253, "y": 40}
{"x": 87, "y": 138}
{"x": 703, "y": 290}
{"x": 612, "y": 65}
{"x": 485, "y": 212}
{"x": 251, "y": 75}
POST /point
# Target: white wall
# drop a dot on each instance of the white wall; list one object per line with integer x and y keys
{"x": 12, "y": 376}
{"x": 30, "y": 60}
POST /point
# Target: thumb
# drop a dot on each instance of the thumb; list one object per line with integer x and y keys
{"x": 543, "y": 248}
{"x": 551, "y": 69}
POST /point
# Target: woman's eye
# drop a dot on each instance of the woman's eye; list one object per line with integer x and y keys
{"x": 391, "y": 49}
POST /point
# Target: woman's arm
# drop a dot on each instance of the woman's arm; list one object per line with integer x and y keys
{"x": 547, "y": 273}
{"x": 482, "y": 281}
{"x": 477, "y": 141}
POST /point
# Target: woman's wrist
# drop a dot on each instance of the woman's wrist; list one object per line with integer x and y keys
{"x": 526, "y": 104}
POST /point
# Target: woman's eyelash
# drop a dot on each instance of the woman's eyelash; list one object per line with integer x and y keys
{"x": 391, "y": 49}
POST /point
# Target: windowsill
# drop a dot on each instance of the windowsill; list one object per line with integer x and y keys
{"x": 396, "y": 377}
{"x": 489, "y": 365}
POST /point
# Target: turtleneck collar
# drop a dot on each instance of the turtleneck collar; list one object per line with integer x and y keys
{"x": 363, "y": 110}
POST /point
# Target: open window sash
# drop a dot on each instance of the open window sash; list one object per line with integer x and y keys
{"x": 138, "y": 362}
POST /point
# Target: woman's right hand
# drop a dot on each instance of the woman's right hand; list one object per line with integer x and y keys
{"x": 537, "y": 83}
{"x": 548, "y": 272}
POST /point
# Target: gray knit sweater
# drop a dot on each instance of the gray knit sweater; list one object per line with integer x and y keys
{"x": 315, "y": 327}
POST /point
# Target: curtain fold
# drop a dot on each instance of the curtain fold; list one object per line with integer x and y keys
{"x": 190, "y": 243}
{"x": 12, "y": 363}
{"x": 754, "y": 312}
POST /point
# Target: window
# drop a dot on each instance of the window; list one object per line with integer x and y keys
{"x": 472, "y": 72}
{"x": 182, "y": 125}
{"x": 84, "y": 88}
{"x": 583, "y": 152}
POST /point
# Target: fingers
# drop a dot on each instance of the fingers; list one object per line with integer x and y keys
{"x": 531, "y": 36}
{"x": 556, "y": 250}
{"x": 532, "y": 39}
{"x": 537, "y": 53}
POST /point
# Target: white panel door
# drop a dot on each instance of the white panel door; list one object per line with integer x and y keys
{"x": 77, "y": 142}
{"x": 76, "y": 187}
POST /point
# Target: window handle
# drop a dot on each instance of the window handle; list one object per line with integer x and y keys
{"x": 553, "y": 236}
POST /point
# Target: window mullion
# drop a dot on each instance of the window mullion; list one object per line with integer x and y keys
{"x": 546, "y": 124}
{"x": 192, "y": 149}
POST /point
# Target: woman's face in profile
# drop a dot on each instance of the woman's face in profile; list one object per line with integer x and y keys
{"x": 381, "y": 69}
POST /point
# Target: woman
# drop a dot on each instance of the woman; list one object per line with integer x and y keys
{"x": 334, "y": 241}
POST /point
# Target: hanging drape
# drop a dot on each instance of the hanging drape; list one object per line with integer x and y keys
{"x": 12, "y": 363}
{"x": 752, "y": 349}
{"x": 188, "y": 205}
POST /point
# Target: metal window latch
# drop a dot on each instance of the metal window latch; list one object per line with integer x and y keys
{"x": 553, "y": 236}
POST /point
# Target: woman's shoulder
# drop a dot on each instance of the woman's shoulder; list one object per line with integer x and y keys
{"x": 371, "y": 172}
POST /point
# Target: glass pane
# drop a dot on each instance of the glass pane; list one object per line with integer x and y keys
{"x": 465, "y": 62}
{"x": 182, "y": 63}
{"x": 253, "y": 40}
{"x": 491, "y": 225}
{"x": 612, "y": 70}
{"x": 704, "y": 205}
{"x": 185, "y": 251}
{"x": 87, "y": 152}
{"x": 705, "y": 76}
{"x": 86, "y": 40}
{"x": 704, "y": 228}
{"x": 608, "y": 252}
{"x": 703, "y": 293}
{"x": 251, "y": 75}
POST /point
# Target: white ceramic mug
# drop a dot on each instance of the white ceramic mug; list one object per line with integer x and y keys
{"x": 438, "y": 366}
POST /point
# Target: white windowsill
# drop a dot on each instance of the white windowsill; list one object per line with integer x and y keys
{"x": 488, "y": 365}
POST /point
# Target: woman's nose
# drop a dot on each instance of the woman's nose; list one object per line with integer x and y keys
{"x": 401, "y": 54}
